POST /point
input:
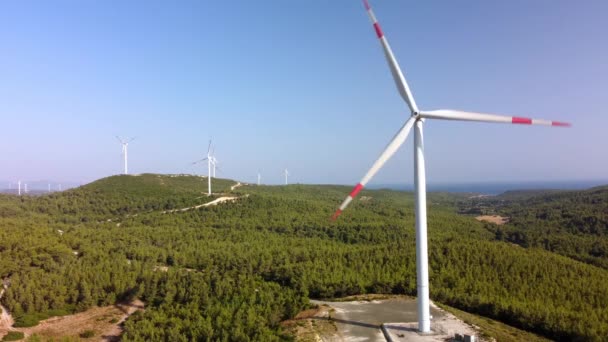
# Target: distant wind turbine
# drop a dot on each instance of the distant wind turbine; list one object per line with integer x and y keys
{"x": 259, "y": 177}
{"x": 286, "y": 174}
{"x": 416, "y": 120}
{"x": 19, "y": 187}
{"x": 49, "y": 187}
{"x": 209, "y": 160}
{"x": 125, "y": 144}
{"x": 214, "y": 162}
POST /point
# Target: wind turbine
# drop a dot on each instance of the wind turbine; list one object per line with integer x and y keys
{"x": 214, "y": 162}
{"x": 286, "y": 174}
{"x": 19, "y": 187}
{"x": 125, "y": 144}
{"x": 209, "y": 160}
{"x": 416, "y": 120}
{"x": 259, "y": 177}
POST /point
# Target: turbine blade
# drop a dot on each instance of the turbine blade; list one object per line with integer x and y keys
{"x": 447, "y": 114}
{"x": 209, "y": 147}
{"x": 388, "y": 152}
{"x": 400, "y": 82}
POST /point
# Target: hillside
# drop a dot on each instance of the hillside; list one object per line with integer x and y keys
{"x": 571, "y": 223}
{"x": 234, "y": 271}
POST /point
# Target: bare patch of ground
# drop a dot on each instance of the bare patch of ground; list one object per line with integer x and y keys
{"x": 313, "y": 325}
{"x": 361, "y": 318}
{"x": 370, "y": 297}
{"x": 217, "y": 201}
{"x": 235, "y": 186}
{"x": 6, "y": 320}
{"x": 214, "y": 202}
{"x": 105, "y": 322}
{"x": 161, "y": 268}
{"x": 497, "y": 219}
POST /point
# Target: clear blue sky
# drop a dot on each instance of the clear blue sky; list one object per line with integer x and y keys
{"x": 300, "y": 84}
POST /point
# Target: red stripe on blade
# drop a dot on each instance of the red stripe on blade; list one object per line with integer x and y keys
{"x": 366, "y": 4}
{"x": 378, "y": 30}
{"x": 522, "y": 121}
{"x": 356, "y": 190}
{"x": 336, "y": 214}
{"x": 562, "y": 124}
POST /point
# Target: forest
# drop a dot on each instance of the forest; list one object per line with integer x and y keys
{"x": 570, "y": 223}
{"x": 236, "y": 270}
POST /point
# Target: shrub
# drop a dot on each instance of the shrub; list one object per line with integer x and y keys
{"x": 87, "y": 334}
{"x": 26, "y": 321}
{"x": 13, "y": 336}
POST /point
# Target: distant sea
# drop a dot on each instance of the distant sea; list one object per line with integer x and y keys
{"x": 497, "y": 188}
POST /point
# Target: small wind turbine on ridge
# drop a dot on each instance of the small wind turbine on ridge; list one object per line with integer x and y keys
{"x": 416, "y": 121}
{"x": 214, "y": 160}
{"x": 209, "y": 160}
{"x": 286, "y": 174}
{"x": 125, "y": 144}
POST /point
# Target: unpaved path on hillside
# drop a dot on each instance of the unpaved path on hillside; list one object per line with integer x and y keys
{"x": 214, "y": 202}
{"x": 105, "y": 322}
{"x": 6, "y": 320}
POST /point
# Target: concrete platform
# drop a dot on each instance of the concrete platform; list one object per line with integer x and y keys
{"x": 442, "y": 329}
{"x": 359, "y": 321}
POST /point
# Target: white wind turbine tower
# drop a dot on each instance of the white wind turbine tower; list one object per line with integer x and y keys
{"x": 214, "y": 161}
{"x": 286, "y": 174}
{"x": 19, "y": 188}
{"x": 259, "y": 177}
{"x": 125, "y": 144}
{"x": 416, "y": 120}
{"x": 209, "y": 160}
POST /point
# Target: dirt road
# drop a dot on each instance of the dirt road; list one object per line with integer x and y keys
{"x": 6, "y": 320}
{"x": 103, "y": 321}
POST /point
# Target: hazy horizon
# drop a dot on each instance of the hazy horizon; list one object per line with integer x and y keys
{"x": 490, "y": 187}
